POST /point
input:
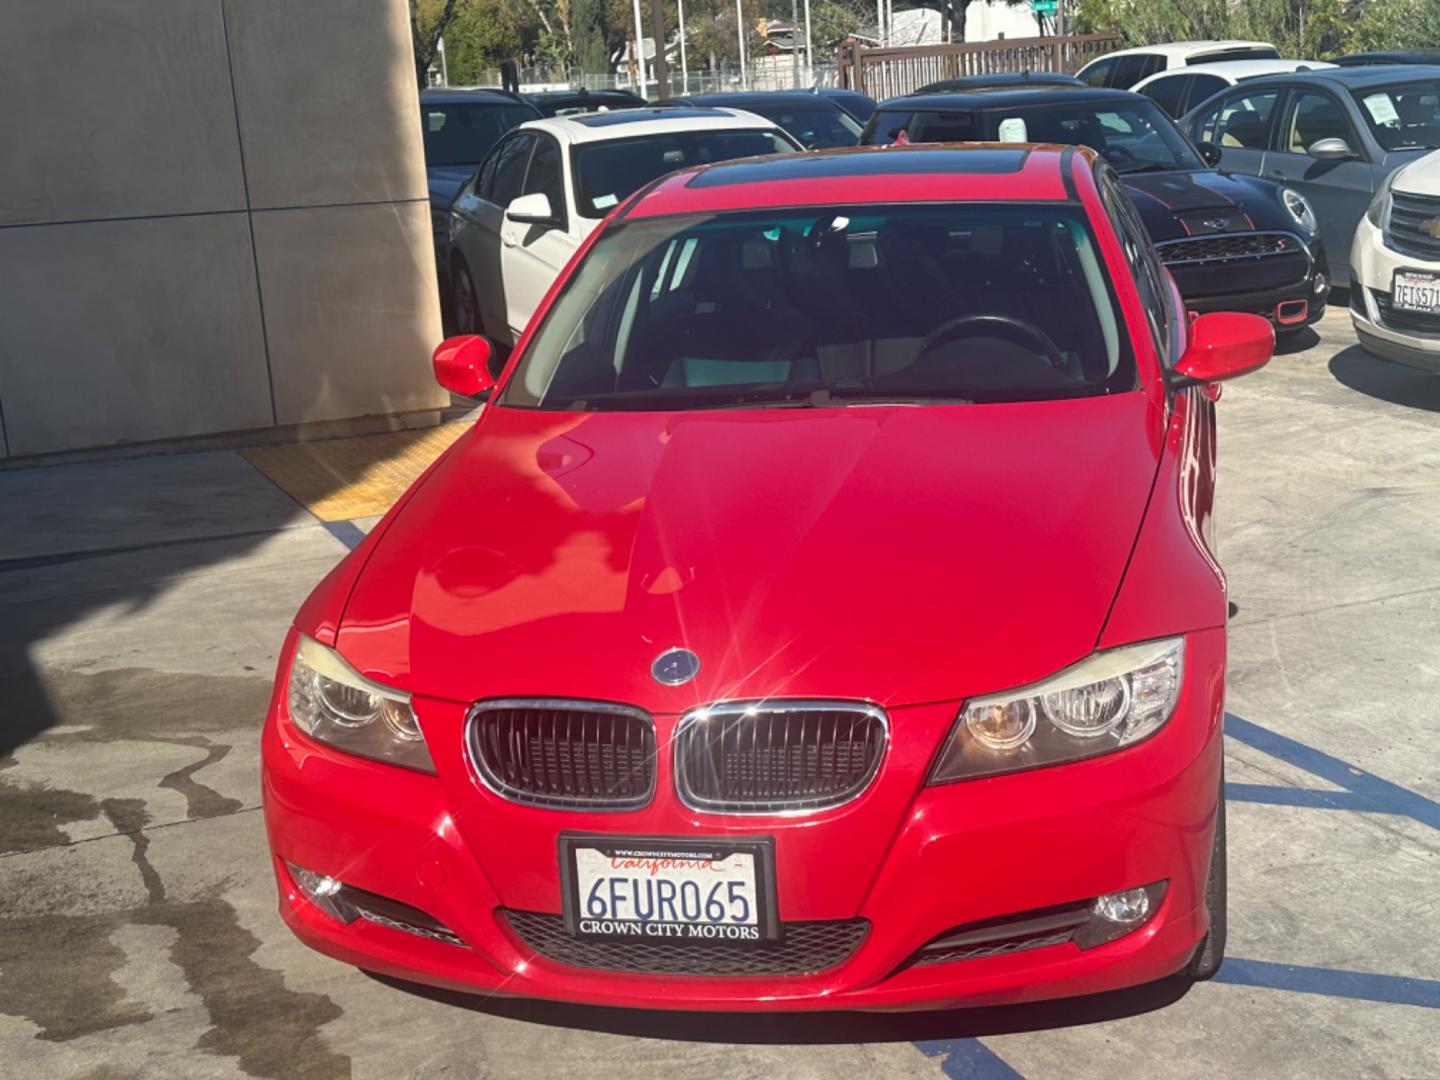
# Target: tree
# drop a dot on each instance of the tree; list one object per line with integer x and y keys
{"x": 428, "y": 19}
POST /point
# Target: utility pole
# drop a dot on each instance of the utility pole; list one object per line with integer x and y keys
{"x": 638, "y": 54}
{"x": 739, "y": 40}
{"x": 657, "y": 31}
{"x": 684, "y": 68}
{"x": 809, "y": 47}
{"x": 794, "y": 45}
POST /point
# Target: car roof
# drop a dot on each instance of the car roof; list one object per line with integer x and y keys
{"x": 474, "y": 95}
{"x": 560, "y": 95}
{"x": 1180, "y": 49}
{"x": 1000, "y": 78}
{"x": 628, "y": 123}
{"x": 1238, "y": 69}
{"x": 1008, "y": 96}
{"x": 868, "y": 174}
{"x": 741, "y": 98}
{"x": 1355, "y": 77}
{"x": 1408, "y": 56}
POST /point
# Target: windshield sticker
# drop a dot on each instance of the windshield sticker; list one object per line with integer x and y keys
{"x": 1012, "y": 129}
{"x": 1381, "y": 109}
{"x": 604, "y": 202}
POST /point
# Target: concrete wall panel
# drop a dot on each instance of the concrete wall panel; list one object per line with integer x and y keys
{"x": 351, "y": 310}
{"x": 124, "y": 331}
{"x": 327, "y": 99}
{"x": 115, "y": 108}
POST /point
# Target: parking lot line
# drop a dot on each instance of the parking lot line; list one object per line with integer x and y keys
{"x": 1369, "y": 792}
{"x": 967, "y": 1059}
{"x": 1331, "y": 982}
{"x": 1309, "y": 798}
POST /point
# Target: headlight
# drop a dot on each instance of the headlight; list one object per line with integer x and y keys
{"x": 332, "y": 702}
{"x": 1380, "y": 205}
{"x": 1299, "y": 208}
{"x": 1107, "y": 701}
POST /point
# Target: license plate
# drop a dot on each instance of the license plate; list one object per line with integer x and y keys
{"x": 655, "y": 888}
{"x": 1413, "y": 290}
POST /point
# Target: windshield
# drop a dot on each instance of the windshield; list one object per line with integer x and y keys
{"x": 819, "y": 125}
{"x": 1133, "y": 136}
{"x": 969, "y": 302}
{"x": 462, "y": 134}
{"x": 1403, "y": 117}
{"x": 607, "y": 172}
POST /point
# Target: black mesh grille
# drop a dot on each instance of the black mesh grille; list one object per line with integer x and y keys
{"x": 1415, "y": 322}
{"x": 805, "y": 948}
{"x": 565, "y": 753}
{"x": 760, "y": 758}
{"x": 1410, "y": 224}
{"x": 1007, "y": 934}
{"x": 1218, "y": 248}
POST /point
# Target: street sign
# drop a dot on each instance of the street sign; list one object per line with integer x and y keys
{"x": 1043, "y": 7}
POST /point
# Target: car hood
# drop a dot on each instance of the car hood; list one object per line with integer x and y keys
{"x": 1421, "y": 177}
{"x": 444, "y": 181}
{"x": 1175, "y": 205}
{"x": 900, "y": 554}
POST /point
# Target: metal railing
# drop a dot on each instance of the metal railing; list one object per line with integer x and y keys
{"x": 883, "y": 73}
{"x": 765, "y": 73}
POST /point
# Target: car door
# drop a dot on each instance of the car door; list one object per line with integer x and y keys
{"x": 478, "y": 217}
{"x": 1338, "y": 190}
{"x": 1240, "y": 124}
{"x": 531, "y": 254}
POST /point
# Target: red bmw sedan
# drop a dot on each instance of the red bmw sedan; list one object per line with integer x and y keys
{"x": 823, "y": 613}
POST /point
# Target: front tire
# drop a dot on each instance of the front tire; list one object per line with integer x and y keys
{"x": 1211, "y": 953}
{"x": 465, "y": 301}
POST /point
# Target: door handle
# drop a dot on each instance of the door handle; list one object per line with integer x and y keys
{"x": 509, "y": 239}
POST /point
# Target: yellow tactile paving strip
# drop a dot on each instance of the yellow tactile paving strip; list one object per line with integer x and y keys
{"x": 340, "y": 479}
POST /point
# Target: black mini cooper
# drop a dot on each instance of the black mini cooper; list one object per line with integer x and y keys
{"x": 1233, "y": 243}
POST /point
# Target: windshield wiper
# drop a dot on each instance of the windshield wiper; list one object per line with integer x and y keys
{"x": 1147, "y": 166}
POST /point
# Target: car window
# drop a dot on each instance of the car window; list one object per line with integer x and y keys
{"x": 509, "y": 170}
{"x": 1402, "y": 117}
{"x": 885, "y": 126}
{"x": 608, "y": 172}
{"x": 546, "y": 176}
{"x": 1168, "y": 92}
{"x": 1139, "y": 255}
{"x": 1098, "y": 73}
{"x": 1313, "y": 116}
{"x": 819, "y": 127}
{"x": 462, "y": 134}
{"x": 1131, "y": 69}
{"x": 1133, "y": 134}
{"x": 822, "y": 305}
{"x": 1241, "y": 120}
{"x": 1202, "y": 86}
{"x": 1238, "y": 52}
{"x": 944, "y": 127}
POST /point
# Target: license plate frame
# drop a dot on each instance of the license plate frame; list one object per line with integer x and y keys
{"x": 761, "y": 848}
{"x": 1421, "y": 279}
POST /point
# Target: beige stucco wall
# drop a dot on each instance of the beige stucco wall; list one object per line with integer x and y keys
{"x": 213, "y": 218}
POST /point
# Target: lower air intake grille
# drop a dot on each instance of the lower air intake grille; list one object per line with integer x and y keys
{"x": 770, "y": 757}
{"x": 1007, "y": 934}
{"x": 805, "y": 948}
{"x": 576, "y": 754}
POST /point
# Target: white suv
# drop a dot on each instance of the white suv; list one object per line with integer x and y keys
{"x": 1395, "y": 268}
{"x": 548, "y": 183}
{"x": 1123, "y": 68}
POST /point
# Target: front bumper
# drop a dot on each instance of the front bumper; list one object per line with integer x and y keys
{"x": 1290, "y": 291}
{"x": 1410, "y": 340}
{"x": 962, "y": 852}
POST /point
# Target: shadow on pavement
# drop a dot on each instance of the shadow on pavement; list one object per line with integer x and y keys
{"x": 817, "y": 1028}
{"x": 1299, "y": 341}
{"x": 1395, "y": 383}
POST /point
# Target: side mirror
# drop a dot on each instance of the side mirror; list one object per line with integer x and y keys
{"x": 462, "y": 365}
{"x": 532, "y": 209}
{"x": 1330, "y": 150}
{"x": 1209, "y": 153}
{"x": 1223, "y": 345}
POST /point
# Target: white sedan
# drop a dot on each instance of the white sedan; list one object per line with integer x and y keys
{"x": 548, "y": 183}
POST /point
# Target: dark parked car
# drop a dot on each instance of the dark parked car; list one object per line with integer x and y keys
{"x": 858, "y": 105}
{"x": 570, "y": 102}
{"x": 1332, "y": 135}
{"x": 1395, "y": 56}
{"x": 459, "y": 128}
{"x": 1000, "y": 78}
{"x": 1233, "y": 243}
{"x": 817, "y": 122}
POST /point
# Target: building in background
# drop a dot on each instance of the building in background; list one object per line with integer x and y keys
{"x": 213, "y": 218}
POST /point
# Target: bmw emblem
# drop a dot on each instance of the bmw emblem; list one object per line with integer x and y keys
{"x": 675, "y": 667}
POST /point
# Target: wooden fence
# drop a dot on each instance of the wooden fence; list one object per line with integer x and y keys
{"x": 883, "y": 73}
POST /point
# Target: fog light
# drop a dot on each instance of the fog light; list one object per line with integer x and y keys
{"x": 323, "y": 891}
{"x": 1126, "y": 907}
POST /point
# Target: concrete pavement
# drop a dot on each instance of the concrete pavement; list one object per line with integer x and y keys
{"x": 141, "y": 606}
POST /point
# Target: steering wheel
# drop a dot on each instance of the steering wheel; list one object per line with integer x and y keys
{"x": 1124, "y": 152}
{"x": 1003, "y": 326}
